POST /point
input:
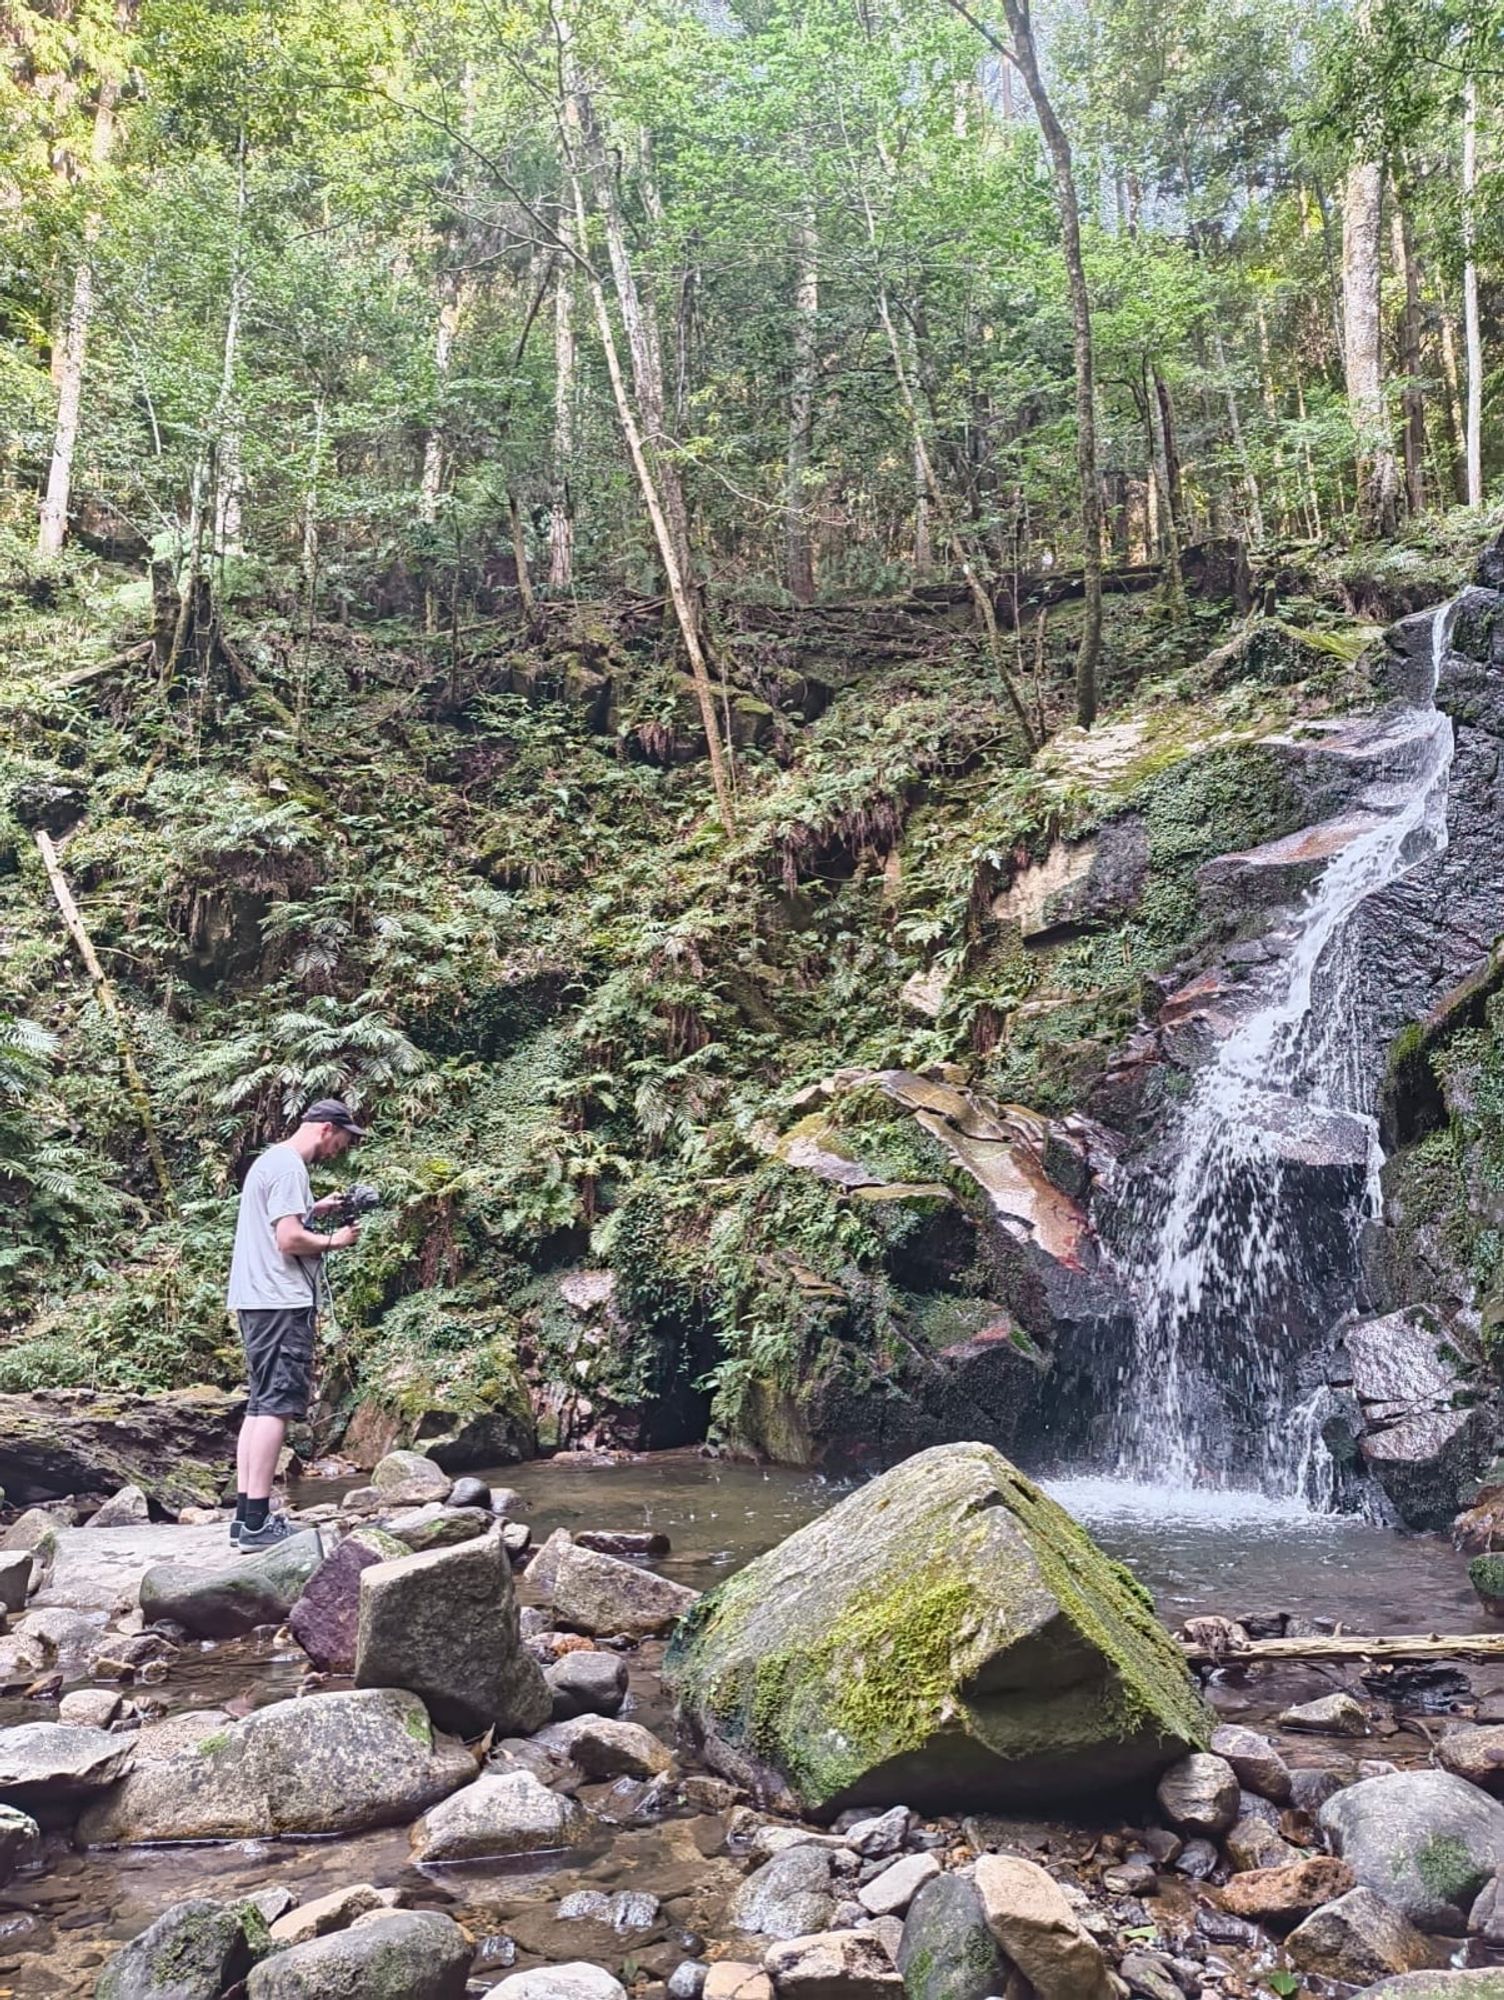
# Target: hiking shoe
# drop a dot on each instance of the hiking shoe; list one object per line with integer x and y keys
{"x": 237, "y": 1528}
{"x": 275, "y": 1530}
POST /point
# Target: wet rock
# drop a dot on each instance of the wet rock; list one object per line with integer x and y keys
{"x": 507, "y": 1814}
{"x": 1036, "y": 1928}
{"x": 624, "y": 1542}
{"x": 1420, "y": 1439}
{"x": 732, "y": 1979}
{"x": 407, "y": 1954}
{"x": 1476, "y": 1985}
{"x": 1199, "y": 1794}
{"x": 1283, "y": 1896}
{"x": 325, "y": 1617}
{"x": 20, "y": 1842}
{"x": 789, "y": 1896}
{"x": 1198, "y": 1859}
{"x": 15, "y": 1578}
{"x": 1475, "y": 1754}
{"x": 173, "y": 1445}
{"x": 468, "y": 1491}
{"x": 687, "y": 1980}
{"x": 579, "y": 1981}
{"x": 948, "y": 1953}
{"x": 1486, "y": 1575}
{"x": 908, "y": 1643}
{"x": 124, "y": 1656}
{"x": 885, "y": 1834}
{"x": 543, "y": 1570}
{"x": 50, "y": 1764}
{"x": 332, "y": 1912}
{"x": 271, "y": 1903}
{"x": 1486, "y": 1918}
{"x": 1425, "y": 1841}
{"x": 1359, "y": 1938}
{"x": 833, "y": 1965}
{"x": 599, "y": 1594}
{"x": 436, "y": 1526}
{"x": 409, "y": 1479}
{"x": 175, "y": 1735}
{"x": 587, "y": 1684}
{"x": 1310, "y": 1789}
{"x": 328, "y": 1763}
{"x": 1332, "y": 1715}
{"x": 1256, "y": 1763}
{"x": 193, "y": 1951}
{"x": 603, "y": 1748}
{"x": 770, "y": 1840}
{"x": 516, "y": 1539}
{"x": 890, "y": 1894}
{"x": 1149, "y": 1976}
{"x": 1252, "y": 1843}
{"x": 35, "y": 1533}
{"x": 1133, "y": 1876}
{"x": 125, "y": 1509}
{"x": 445, "y": 1626}
{"x": 1162, "y": 1846}
{"x": 235, "y": 1596}
{"x": 1479, "y": 1529}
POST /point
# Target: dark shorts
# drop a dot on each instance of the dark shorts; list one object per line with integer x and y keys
{"x": 279, "y": 1356}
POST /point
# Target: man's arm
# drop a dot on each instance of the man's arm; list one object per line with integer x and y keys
{"x": 293, "y": 1240}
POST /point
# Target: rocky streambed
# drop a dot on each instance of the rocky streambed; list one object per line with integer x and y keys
{"x": 176, "y": 1745}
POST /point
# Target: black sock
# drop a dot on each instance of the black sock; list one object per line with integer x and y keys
{"x": 256, "y": 1512}
{"x": 241, "y": 1503}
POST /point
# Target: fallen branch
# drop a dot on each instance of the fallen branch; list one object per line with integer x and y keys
{"x": 1354, "y": 1646}
{"x": 82, "y": 674}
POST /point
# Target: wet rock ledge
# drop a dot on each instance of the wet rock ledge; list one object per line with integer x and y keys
{"x": 934, "y": 1745}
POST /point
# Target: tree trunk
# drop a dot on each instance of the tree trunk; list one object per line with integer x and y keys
{"x": 1023, "y": 54}
{"x": 1378, "y": 476}
{"x": 561, "y": 498}
{"x": 1235, "y": 429}
{"x": 1452, "y": 376}
{"x": 1413, "y": 396}
{"x": 798, "y": 542}
{"x": 1471, "y": 331}
{"x": 69, "y": 356}
{"x": 228, "y": 478}
{"x": 431, "y": 480}
{"x": 519, "y": 550}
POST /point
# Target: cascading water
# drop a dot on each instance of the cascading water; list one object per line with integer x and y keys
{"x": 1235, "y": 1266}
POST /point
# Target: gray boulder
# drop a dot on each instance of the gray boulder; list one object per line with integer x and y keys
{"x": 596, "y": 1594}
{"x": 235, "y": 1596}
{"x": 587, "y": 1684}
{"x": 436, "y": 1526}
{"x": 1425, "y": 1841}
{"x": 329, "y": 1763}
{"x": 1480, "y": 1984}
{"x": 1422, "y": 1438}
{"x": 509, "y": 1814}
{"x": 833, "y": 1965}
{"x": 193, "y": 1951}
{"x": 445, "y": 1625}
{"x": 602, "y": 1747}
{"x": 393, "y": 1954}
{"x": 51, "y": 1766}
{"x": 325, "y": 1617}
{"x": 946, "y": 1635}
{"x": 1200, "y": 1794}
{"x": 575, "y": 1981}
{"x": 408, "y": 1478}
{"x": 126, "y": 1509}
{"x": 468, "y": 1491}
{"x": 948, "y": 1953}
{"x": 1256, "y": 1763}
{"x": 15, "y": 1578}
{"x": 20, "y": 1842}
{"x": 1039, "y": 1932}
{"x": 788, "y": 1897}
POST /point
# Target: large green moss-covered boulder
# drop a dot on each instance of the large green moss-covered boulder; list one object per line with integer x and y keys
{"x": 946, "y": 1636}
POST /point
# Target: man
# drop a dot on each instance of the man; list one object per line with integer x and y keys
{"x": 274, "y": 1280}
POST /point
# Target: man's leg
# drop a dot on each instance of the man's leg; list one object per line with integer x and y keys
{"x": 261, "y": 1441}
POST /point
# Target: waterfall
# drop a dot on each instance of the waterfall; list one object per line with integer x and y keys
{"x": 1235, "y": 1270}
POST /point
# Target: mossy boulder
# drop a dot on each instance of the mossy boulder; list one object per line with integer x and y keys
{"x": 946, "y": 1636}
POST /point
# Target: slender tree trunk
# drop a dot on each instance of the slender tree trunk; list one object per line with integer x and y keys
{"x": 1271, "y": 412}
{"x": 654, "y": 473}
{"x": 561, "y": 497}
{"x": 1235, "y": 429}
{"x": 1023, "y": 54}
{"x": 1313, "y": 496}
{"x": 519, "y": 549}
{"x": 1413, "y": 396}
{"x": 798, "y": 542}
{"x": 1169, "y": 526}
{"x": 1452, "y": 402}
{"x": 228, "y": 478}
{"x": 1471, "y": 330}
{"x": 69, "y": 355}
{"x": 1378, "y": 476}
{"x": 452, "y": 293}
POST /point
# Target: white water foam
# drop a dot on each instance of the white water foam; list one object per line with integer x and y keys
{"x": 1104, "y": 1501}
{"x": 1227, "y": 1255}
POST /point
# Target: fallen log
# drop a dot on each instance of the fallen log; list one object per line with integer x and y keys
{"x": 1353, "y": 1646}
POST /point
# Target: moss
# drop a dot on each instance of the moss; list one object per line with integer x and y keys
{"x": 415, "y": 1722}
{"x": 1486, "y": 1575}
{"x": 1448, "y": 1869}
{"x": 210, "y": 1746}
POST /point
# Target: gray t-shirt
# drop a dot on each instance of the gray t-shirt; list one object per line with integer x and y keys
{"x": 261, "y": 1278}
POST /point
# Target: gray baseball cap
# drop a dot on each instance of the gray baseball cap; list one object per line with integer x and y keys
{"x": 334, "y": 1111}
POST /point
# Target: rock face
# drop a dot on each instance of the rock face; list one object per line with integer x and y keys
{"x": 1425, "y": 1841}
{"x": 1358, "y": 1938}
{"x": 408, "y": 1954}
{"x": 329, "y": 1763}
{"x": 193, "y": 1951}
{"x": 946, "y": 1634}
{"x": 236, "y": 1596}
{"x": 324, "y": 1619}
{"x": 510, "y": 1814}
{"x": 20, "y": 1842}
{"x": 601, "y": 1594}
{"x": 1421, "y": 1438}
{"x": 48, "y": 1765}
{"x": 175, "y": 1447}
{"x": 445, "y": 1625}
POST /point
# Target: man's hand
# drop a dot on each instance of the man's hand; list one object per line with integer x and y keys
{"x": 346, "y": 1238}
{"x": 323, "y": 1207}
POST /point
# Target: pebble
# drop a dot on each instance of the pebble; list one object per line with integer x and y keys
{"x": 890, "y": 1893}
{"x": 885, "y": 1834}
{"x": 94, "y": 1708}
{"x": 1334, "y": 1715}
{"x": 1134, "y": 1876}
{"x": 1198, "y": 1859}
{"x": 687, "y": 1981}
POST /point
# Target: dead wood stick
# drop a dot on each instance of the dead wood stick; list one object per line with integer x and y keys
{"x": 109, "y": 1006}
{"x": 1355, "y": 1646}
